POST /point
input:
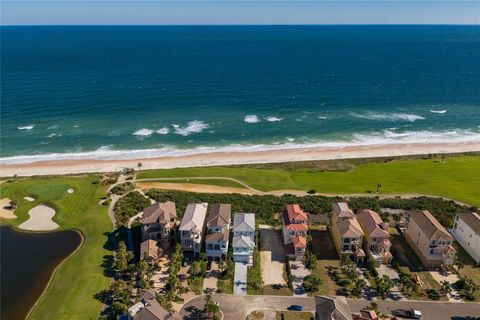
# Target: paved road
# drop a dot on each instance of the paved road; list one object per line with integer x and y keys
{"x": 237, "y": 307}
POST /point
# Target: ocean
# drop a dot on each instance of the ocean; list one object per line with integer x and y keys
{"x": 73, "y": 92}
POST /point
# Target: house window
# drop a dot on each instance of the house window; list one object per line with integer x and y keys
{"x": 345, "y": 248}
{"x": 431, "y": 251}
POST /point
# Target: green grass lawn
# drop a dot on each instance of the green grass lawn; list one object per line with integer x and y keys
{"x": 456, "y": 178}
{"x": 71, "y": 292}
{"x": 293, "y": 315}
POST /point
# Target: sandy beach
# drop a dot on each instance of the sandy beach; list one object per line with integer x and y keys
{"x": 230, "y": 158}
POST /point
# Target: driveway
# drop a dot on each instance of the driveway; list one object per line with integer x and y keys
{"x": 240, "y": 279}
{"x": 395, "y": 292}
{"x": 299, "y": 271}
{"x": 451, "y": 278}
{"x": 211, "y": 279}
{"x": 272, "y": 256}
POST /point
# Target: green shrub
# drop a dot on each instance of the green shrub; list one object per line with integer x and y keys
{"x": 130, "y": 205}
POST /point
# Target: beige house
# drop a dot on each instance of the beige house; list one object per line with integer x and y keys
{"x": 346, "y": 232}
{"x": 149, "y": 251}
{"x": 429, "y": 239}
{"x": 192, "y": 227}
{"x": 376, "y": 240}
{"x": 159, "y": 222}
{"x": 218, "y": 231}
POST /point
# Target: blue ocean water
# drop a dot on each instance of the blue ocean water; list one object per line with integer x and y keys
{"x": 139, "y": 91}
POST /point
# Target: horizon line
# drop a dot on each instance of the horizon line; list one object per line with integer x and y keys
{"x": 240, "y": 24}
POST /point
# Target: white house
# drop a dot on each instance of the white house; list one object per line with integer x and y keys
{"x": 243, "y": 242}
{"x": 192, "y": 227}
{"x": 218, "y": 232}
{"x": 466, "y": 231}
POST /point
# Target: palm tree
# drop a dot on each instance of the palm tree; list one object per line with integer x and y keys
{"x": 139, "y": 165}
{"x": 459, "y": 264}
{"x": 446, "y": 287}
{"x": 379, "y": 185}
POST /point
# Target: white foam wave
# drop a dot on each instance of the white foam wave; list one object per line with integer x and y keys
{"x": 194, "y": 126}
{"x": 387, "y": 116}
{"x": 53, "y": 127}
{"x": 290, "y": 139}
{"x": 27, "y": 127}
{"x": 322, "y": 117}
{"x": 273, "y": 119}
{"x": 439, "y": 111}
{"x": 386, "y": 137}
{"x": 143, "y": 132}
{"x": 163, "y": 130}
{"x": 51, "y": 135}
{"x": 251, "y": 118}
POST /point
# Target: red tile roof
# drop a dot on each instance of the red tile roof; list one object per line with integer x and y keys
{"x": 294, "y": 212}
{"x": 296, "y": 226}
{"x": 299, "y": 242}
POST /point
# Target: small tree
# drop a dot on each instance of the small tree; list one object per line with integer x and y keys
{"x": 211, "y": 310}
{"x": 139, "y": 165}
{"x": 446, "y": 287}
{"x": 13, "y": 204}
{"x": 311, "y": 283}
{"x": 384, "y": 284}
{"x": 122, "y": 258}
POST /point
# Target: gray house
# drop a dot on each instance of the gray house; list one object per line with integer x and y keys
{"x": 243, "y": 242}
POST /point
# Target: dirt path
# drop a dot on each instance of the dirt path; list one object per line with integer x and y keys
{"x": 204, "y": 188}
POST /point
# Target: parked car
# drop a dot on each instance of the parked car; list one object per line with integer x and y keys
{"x": 295, "y": 307}
{"x": 408, "y": 314}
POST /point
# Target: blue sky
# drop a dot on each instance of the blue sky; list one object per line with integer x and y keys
{"x": 22, "y": 12}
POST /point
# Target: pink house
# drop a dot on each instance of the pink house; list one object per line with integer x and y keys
{"x": 295, "y": 230}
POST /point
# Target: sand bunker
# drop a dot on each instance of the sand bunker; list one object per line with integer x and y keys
{"x": 29, "y": 198}
{"x": 5, "y": 212}
{"x": 71, "y": 190}
{"x": 40, "y": 219}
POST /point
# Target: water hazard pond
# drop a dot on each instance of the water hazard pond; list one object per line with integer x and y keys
{"x": 27, "y": 263}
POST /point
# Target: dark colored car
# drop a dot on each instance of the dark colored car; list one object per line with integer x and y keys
{"x": 408, "y": 314}
{"x": 295, "y": 307}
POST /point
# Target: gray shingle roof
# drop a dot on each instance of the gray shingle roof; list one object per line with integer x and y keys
{"x": 244, "y": 222}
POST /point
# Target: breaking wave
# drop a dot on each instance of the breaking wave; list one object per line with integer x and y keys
{"x": 251, "y": 118}
{"x": 27, "y": 127}
{"x": 273, "y": 119}
{"x": 385, "y": 137}
{"x": 194, "y": 126}
{"x": 387, "y": 116}
{"x": 143, "y": 132}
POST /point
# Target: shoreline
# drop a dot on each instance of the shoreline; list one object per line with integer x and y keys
{"x": 219, "y": 158}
